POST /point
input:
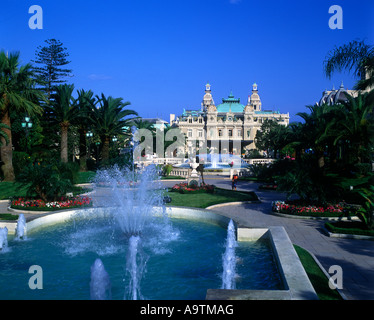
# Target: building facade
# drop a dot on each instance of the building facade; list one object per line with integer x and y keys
{"x": 229, "y": 127}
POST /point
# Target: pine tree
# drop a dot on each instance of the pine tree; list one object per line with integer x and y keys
{"x": 51, "y": 58}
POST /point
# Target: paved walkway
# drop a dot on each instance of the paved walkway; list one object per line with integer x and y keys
{"x": 355, "y": 257}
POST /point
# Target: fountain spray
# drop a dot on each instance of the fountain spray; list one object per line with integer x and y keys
{"x": 229, "y": 259}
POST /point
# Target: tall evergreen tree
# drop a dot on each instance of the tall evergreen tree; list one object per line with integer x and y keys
{"x": 51, "y": 61}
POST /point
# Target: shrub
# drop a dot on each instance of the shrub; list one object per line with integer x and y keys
{"x": 193, "y": 184}
{"x": 69, "y": 170}
{"x": 362, "y": 168}
{"x": 20, "y": 161}
{"x": 46, "y": 181}
{"x": 349, "y": 227}
{"x": 167, "y": 169}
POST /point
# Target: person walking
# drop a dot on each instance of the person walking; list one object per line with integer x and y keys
{"x": 234, "y": 181}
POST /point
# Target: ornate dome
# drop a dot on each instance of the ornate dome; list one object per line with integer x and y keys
{"x": 230, "y": 104}
{"x": 334, "y": 96}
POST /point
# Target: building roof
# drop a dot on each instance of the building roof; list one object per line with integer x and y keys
{"x": 230, "y": 105}
{"x": 193, "y": 113}
{"x": 335, "y": 96}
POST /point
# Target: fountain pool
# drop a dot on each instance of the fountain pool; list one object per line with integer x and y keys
{"x": 183, "y": 259}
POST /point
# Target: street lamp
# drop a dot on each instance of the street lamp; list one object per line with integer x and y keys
{"x": 114, "y": 139}
{"x": 89, "y": 134}
{"x": 27, "y": 123}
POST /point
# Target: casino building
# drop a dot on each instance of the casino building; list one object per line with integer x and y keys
{"x": 229, "y": 127}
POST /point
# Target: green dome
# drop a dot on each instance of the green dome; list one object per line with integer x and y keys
{"x": 230, "y": 104}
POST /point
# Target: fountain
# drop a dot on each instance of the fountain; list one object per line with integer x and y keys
{"x": 222, "y": 161}
{"x": 229, "y": 259}
{"x": 132, "y": 200}
{"x": 100, "y": 283}
{"x": 21, "y": 229}
{"x": 3, "y": 239}
{"x": 135, "y": 268}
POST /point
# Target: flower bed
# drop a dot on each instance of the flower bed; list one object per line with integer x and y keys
{"x": 62, "y": 203}
{"x": 331, "y": 210}
{"x": 185, "y": 188}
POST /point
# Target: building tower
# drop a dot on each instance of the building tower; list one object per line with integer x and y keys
{"x": 207, "y": 99}
{"x": 255, "y": 98}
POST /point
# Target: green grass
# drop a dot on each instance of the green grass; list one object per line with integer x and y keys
{"x": 173, "y": 178}
{"x": 11, "y": 189}
{"x": 316, "y": 276}
{"x": 85, "y": 177}
{"x": 8, "y": 216}
{"x": 203, "y": 200}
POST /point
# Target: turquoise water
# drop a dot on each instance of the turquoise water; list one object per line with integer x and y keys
{"x": 183, "y": 260}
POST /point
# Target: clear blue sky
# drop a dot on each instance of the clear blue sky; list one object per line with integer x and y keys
{"x": 159, "y": 54}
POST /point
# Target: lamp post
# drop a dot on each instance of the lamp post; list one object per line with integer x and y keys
{"x": 89, "y": 135}
{"x": 27, "y": 125}
{"x": 97, "y": 151}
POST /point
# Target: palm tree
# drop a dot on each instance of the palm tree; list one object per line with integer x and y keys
{"x": 353, "y": 127}
{"x": 3, "y": 134}
{"x": 18, "y": 94}
{"x": 313, "y": 131}
{"x": 144, "y": 124}
{"x": 356, "y": 57}
{"x": 64, "y": 112}
{"x": 111, "y": 119}
{"x": 85, "y": 104}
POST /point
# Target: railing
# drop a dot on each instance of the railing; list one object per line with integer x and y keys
{"x": 180, "y": 172}
{"x": 162, "y": 161}
{"x": 259, "y": 161}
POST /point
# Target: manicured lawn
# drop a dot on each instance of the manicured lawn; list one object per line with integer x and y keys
{"x": 85, "y": 177}
{"x": 8, "y": 216}
{"x": 203, "y": 200}
{"x": 316, "y": 276}
{"x": 173, "y": 178}
{"x": 10, "y": 189}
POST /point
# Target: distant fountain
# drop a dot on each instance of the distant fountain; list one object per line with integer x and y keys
{"x": 3, "y": 238}
{"x": 21, "y": 229}
{"x": 229, "y": 259}
{"x": 100, "y": 286}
